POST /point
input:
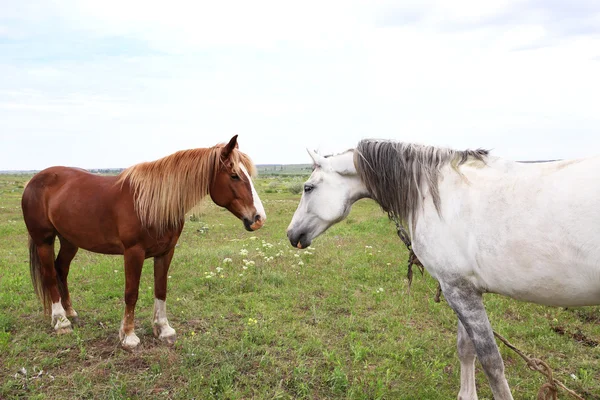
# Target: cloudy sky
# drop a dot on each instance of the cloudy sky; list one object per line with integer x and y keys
{"x": 112, "y": 83}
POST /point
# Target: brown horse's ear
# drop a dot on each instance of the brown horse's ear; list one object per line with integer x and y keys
{"x": 229, "y": 148}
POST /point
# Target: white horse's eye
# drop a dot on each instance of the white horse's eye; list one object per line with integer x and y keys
{"x": 308, "y": 188}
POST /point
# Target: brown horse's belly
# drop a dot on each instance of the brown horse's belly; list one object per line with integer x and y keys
{"x": 105, "y": 248}
{"x": 96, "y": 240}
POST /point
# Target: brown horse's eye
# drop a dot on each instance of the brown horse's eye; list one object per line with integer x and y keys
{"x": 235, "y": 177}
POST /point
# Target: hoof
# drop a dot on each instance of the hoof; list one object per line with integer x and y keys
{"x": 168, "y": 340}
{"x": 61, "y": 324}
{"x": 129, "y": 342}
{"x": 63, "y": 331}
{"x": 165, "y": 334}
{"x": 74, "y": 320}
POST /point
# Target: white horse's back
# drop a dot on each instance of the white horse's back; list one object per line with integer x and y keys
{"x": 529, "y": 231}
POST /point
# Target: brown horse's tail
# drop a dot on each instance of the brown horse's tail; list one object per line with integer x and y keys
{"x": 35, "y": 268}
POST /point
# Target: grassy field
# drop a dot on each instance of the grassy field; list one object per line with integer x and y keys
{"x": 333, "y": 322}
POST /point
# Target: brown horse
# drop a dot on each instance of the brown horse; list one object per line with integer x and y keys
{"x": 139, "y": 213}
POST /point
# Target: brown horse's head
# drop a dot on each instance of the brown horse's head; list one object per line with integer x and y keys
{"x": 232, "y": 187}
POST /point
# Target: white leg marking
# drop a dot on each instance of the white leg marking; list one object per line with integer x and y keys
{"x": 161, "y": 325}
{"x": 257, "y": 203}
{"x": 59, "y": 318}
{"x": 466, "y": 355}
{"x": 128, "y": 341}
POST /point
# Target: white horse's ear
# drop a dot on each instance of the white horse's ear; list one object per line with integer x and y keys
{"x": 343, "y": 163}
{"x": 317, "y": 159}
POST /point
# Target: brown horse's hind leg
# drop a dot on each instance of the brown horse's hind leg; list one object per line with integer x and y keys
{"x": 62, "y": 265}
{"x": 134, "y": 261}
{"x": 45, "y": 253}
{"x": 162, "y": 329}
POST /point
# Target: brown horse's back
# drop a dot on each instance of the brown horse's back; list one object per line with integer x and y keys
{"x": 78, "y": 206}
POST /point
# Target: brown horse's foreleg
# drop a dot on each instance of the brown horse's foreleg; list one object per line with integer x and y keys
{"x": 134, "y": 260}
{"x": 162, "y": 330}
{"x": 59, "y": 318}
{"x": 62, "y": 265}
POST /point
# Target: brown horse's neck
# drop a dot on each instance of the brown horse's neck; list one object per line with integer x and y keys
{"x": 166, "y": 189}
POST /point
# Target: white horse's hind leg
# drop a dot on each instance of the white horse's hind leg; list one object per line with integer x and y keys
{"x": 467, "y": 356}
{"x": 467, "y": 302}
{"x": 162, "y": 329}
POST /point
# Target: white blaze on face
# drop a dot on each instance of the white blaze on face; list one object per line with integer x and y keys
{"x": 260, "y": 210}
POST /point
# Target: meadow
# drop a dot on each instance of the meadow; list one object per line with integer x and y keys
{"x": 258, "y": 319}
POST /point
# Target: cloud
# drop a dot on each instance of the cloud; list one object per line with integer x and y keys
{"x": 183, "y": 25}
{"x": 578, "y": 17}
{"x": 540, "y": 23}
{"x": 123, "y": 82}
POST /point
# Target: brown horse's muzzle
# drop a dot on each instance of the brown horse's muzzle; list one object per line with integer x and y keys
{"x": 254, "y": 224}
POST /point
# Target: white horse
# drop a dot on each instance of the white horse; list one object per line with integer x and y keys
{"x": 479, "y": 224}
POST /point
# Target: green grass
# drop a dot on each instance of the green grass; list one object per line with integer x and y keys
{"x": 333, "y": 322}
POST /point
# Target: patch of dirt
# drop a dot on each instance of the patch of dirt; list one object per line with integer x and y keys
{"x": 133, "y": 363}
{"x": 588, "y": 316}
{"x": 509, "y": 361}
{"x": 448, "y": 369}
{"x": 197, "y": 325}
{"x": 578, "y": 336}
{"x": 515, "y": 316}
{"x": 103, "y": 348}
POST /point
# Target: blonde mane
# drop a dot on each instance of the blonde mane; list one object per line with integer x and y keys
{"x": 166, "y": 189}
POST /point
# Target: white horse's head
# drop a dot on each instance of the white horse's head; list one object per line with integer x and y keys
{"x": 328, "y": 196}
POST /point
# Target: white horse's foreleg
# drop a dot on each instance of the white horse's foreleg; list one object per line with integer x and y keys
{"x": 467, "y": 302}
{"x": 467, "y": 356}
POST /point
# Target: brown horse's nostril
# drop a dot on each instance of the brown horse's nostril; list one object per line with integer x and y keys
{"x": 256, "y": 218}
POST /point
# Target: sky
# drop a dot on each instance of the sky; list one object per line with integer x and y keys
{"x": 108, "y": 84}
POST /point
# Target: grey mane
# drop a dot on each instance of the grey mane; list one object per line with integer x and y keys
{"x": 396, "y": 173}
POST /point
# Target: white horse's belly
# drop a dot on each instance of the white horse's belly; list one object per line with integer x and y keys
{"x": 576, "y": 285}
{"x": 556, "y": 274}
